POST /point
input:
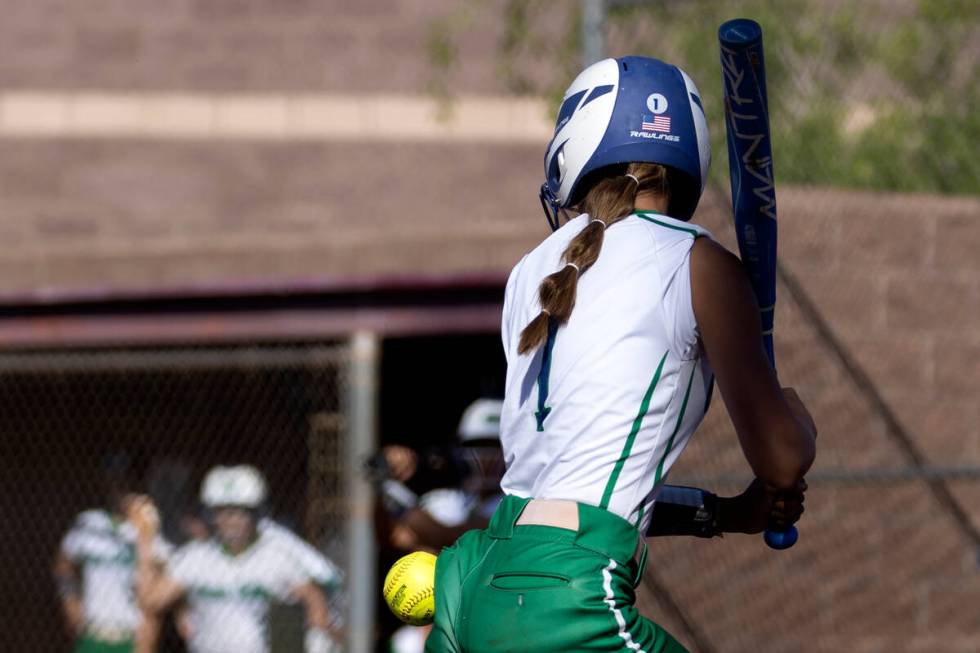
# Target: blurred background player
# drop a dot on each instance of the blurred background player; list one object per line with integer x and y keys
{"x": 431, "y": 497}
{"x": 479, "y": 440}
{"x": 320, "y": 569}
{"x": 228, "y": 582}
{"x": 615, "y": 329}
{"x": 94, "y": 570}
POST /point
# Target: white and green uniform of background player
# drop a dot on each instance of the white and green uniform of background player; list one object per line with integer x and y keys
{"x": 229, "y": 596}
{"x": 599, "y": 412}
{"x": 104, "y": 549}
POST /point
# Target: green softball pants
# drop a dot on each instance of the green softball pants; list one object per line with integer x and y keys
{"x": 526, "y": 588}
{"x": 89, "y": 644}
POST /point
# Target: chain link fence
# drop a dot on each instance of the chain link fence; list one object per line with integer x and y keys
{"x": 77, "y": 427}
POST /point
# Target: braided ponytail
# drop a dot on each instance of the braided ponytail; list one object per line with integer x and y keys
{"x": 610, "y": 200}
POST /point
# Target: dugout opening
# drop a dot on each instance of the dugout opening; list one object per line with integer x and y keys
{"x": 427, "y": 382}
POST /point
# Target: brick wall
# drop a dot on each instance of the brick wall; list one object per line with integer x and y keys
{"x": 901, "y": 284}
{"x": 881, "y": 565}
{"x": 131, "y": 215}
{"x": 234, "y": 45}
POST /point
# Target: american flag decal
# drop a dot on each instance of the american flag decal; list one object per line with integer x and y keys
{"x": 656, "y": 123}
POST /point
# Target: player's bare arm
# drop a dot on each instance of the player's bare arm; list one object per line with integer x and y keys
{"x": 155, "y": 591}
{"x": 774, "y": 429}
{"x": 319, "y": 632}
{"x": 147, "y": 633}
{"x": 66, "y": 576}
{"x": 696, "y": 512}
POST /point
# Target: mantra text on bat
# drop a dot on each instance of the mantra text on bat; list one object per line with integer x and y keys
{"x": 750, "y": 116}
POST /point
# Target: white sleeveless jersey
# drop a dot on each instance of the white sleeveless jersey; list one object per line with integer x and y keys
{"x": 104, "y": 549}
{"x": 600, "y": 412}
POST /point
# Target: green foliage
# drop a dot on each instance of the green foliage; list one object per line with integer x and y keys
{"x": 523, "y": 42}
{"x": 869, "y": 95}
{"x": 880, "y": 94}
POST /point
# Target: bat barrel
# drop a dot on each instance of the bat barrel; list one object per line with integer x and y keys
{"x": 743, "y": 38}
{"x": 740, "y": 32}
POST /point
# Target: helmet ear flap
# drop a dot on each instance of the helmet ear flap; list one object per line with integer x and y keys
{"x": 557, "y": 167}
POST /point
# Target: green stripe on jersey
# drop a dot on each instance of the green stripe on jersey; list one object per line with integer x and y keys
{"x": 644, "y": 216}
{"x": 637, "y": 423}
{"x": 677, "y": 427}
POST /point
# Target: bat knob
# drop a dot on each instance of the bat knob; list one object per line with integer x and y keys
{"x": 780, "y": 540}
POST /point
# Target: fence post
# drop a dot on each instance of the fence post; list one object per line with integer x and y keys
{"x": 593, "y": 18}
{"x": 362, "y": 440}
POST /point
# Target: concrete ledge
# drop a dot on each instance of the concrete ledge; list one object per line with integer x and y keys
{"x": 313, "y": 117}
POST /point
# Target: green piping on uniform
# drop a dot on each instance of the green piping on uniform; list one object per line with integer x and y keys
{"x": 677, "y": 427}
{"x": 637, "y": 423}
{"x": 693, "y": 232}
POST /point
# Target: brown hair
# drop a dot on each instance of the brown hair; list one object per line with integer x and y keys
{"x": 609, "y": 200}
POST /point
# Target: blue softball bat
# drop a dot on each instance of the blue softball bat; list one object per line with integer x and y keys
{"x": 743, "y": 72}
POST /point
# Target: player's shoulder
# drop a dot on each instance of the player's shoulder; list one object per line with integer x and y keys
{"x": 549, "y": 250}
{"x": 277, "y": 537}
{"x": 666, "y": 230}
{"x": 194, "y": 562}
{"x": 196, "y": 551}
{"x": 720, "y": 286}
{"x": 710, "y": 258}
{"x": 287, "y": 544}
{"x": 274, "y": 539}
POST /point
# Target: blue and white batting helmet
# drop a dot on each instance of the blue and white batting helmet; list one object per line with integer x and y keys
{"x": 628, "y": 110}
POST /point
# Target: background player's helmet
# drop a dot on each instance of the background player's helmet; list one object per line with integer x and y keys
{"x": 481, "y": 421}
{"x": 633, "y": 109}
{"x": 479, "y": 439}
{"x": 233, "y": 486}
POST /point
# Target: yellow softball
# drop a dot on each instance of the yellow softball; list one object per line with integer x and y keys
{"x": 410, "y": 588}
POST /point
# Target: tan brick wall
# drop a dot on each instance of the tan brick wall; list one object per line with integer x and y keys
{"x": 902, "y": 289}
{"x": 880, "y": 565}
{"x": 234, "y": 45}
{"x": 141, "y": 214}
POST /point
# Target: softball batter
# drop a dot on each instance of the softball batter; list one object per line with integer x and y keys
{"x": 614, "y": 329}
